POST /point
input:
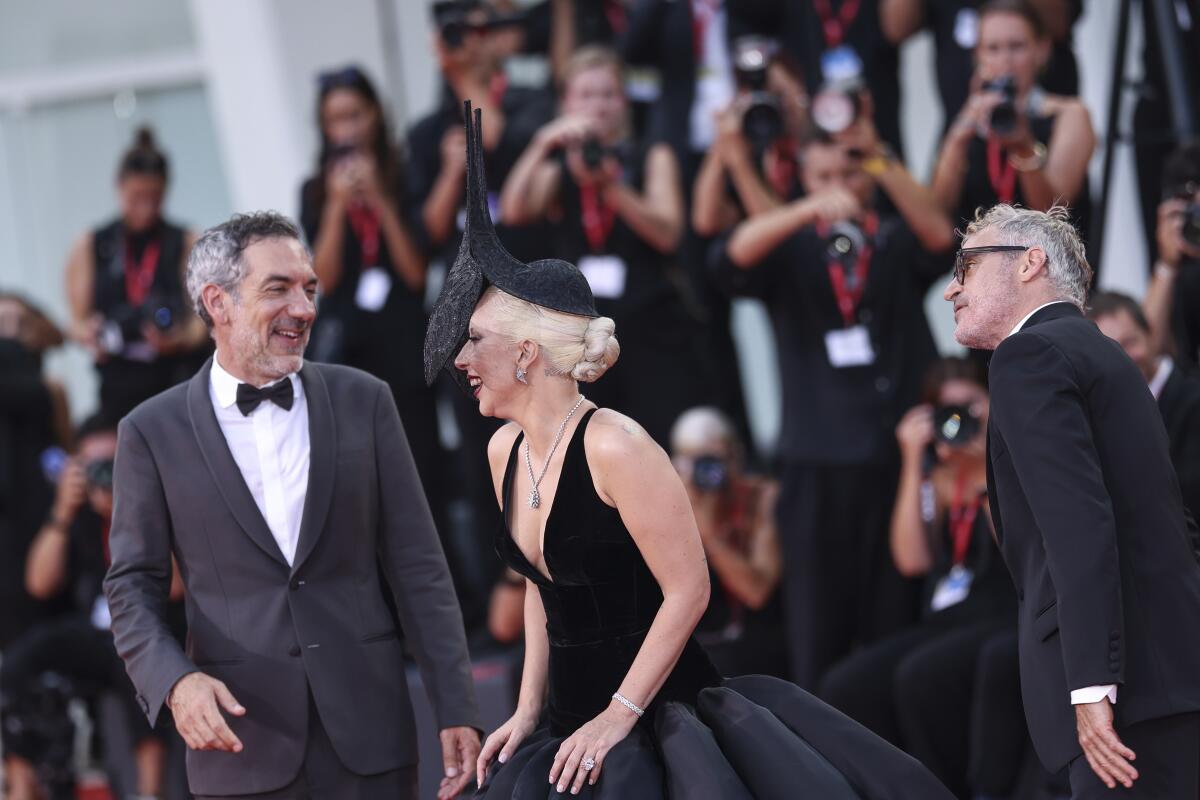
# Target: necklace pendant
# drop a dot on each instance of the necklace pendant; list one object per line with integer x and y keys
{"x": 535, "y": 499}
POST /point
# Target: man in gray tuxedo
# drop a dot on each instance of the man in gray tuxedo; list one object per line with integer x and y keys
{"x": 283, "y": 490}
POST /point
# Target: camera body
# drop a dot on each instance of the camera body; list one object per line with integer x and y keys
{"x": 837, "y": 105}
{"x": 123, "y": 323}
{"x": 710, "y": 474}
{"x": 1004, "y": 115}
{"x": 762, "y": 120}
{"x": 1191, "y": 224}
{"x": 846, "y": 239}
{"x": 955, "y": 426}
{"x": 594, "y": 152}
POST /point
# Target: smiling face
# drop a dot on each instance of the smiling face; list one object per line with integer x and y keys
{"x": 263, "y": 326}
{"x": 490, "y": 360}
{"x": 986, "y": 302}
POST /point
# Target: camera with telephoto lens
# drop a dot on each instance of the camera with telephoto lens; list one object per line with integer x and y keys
{"x": 709, "y": 473}
{"x": 837, "y": 105}
{"x": 1004, "y": 115}
{"x": 843, "y": 244}
{"x": 123, "y": 323}
{"x": 955, "y": 426}
{"x": 762, "y": 120}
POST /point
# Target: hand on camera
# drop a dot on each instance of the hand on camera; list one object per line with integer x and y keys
{"x": 567, "y": 131}
{"x": 196, "y": 702}
{"x": 454, "y": 152}
{"x": 1172, "y": 247}
{"x": 71, "y": 493}
{"x": 831, "y": 205}
{"x": 915, "y": 431}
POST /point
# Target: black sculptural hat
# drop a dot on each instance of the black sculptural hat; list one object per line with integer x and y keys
{"x": 482, "y": 261}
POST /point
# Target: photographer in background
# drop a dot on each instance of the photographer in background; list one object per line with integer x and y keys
{"x": 735, "y": 513}
{"x": 616, "y": 209}
{"x": 125, "y": 288}
{"x": 844, "y": 284}
{"x": 752, "y": 165}
{"x": 68, "y": 560}
{"x": 1172, "y": 303}
{"x": 915, "y": 687}
{"x": 1012, "y": 142}
{"x": 1176, "y": 389}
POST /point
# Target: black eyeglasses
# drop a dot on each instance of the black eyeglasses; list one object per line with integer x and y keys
{"x": 960, "y": 258}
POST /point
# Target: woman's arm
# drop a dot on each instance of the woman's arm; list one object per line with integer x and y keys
{"x": 900, "y": 19}
{"x": 657, "y": 216}
{"x": 711, "y": 210}
{"x": 407, "y": 260}
{"x": 909, "y": 541}
{"x": 440, "y": 209}
{"x": 330, "y": 239}
{"x": 81, "y": 288}
{"x": 757, "y": 237}
{"x": 533, "y": 183}
{"x": 1061, "y": 179}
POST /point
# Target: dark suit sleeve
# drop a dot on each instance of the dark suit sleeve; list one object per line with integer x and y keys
{"x": 415, "y": 566}
{"x": 1041, "y": 414}
{"x": 139, "y": 580}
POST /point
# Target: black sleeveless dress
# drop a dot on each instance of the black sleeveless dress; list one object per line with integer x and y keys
{"x": 701, "y": 737}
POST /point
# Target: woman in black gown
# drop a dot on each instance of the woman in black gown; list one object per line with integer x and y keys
{"x": 598, "y": 523}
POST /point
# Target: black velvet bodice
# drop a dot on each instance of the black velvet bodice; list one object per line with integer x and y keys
{"x": 600, "y": 600}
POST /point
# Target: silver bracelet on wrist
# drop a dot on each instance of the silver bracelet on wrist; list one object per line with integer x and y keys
{"x": 625, "y": 701}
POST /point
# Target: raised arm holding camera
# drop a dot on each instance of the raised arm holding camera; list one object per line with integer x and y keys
{"x": 1012, "y": 142}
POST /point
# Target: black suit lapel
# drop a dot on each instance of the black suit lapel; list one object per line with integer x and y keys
{"x": 322, "y": 437}
{"x": 993, "y": 498}
{"x": 223, "y": 468}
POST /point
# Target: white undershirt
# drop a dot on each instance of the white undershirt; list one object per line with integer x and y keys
{"x": 1088, "y": 694}
{"x": 1166, "y": 365}
{"x": 271, "y": 449}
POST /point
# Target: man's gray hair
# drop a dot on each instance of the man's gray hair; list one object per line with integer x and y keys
{"x": 216, "y": 257}
{"x": 1050, "y": 231}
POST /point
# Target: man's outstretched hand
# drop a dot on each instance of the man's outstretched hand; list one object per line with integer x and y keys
{"x": 460, "y": 750}
{"x": 1107, "y": 755}
{"x": 196, "y": 702}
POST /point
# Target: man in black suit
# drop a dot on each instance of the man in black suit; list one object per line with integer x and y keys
{"x": 1177, "y": 391}
{"x": 1088, "y": 515}
{"x": 284, "y": 490}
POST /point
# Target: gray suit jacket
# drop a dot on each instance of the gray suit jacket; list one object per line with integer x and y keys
{"x": 272, "y": 633}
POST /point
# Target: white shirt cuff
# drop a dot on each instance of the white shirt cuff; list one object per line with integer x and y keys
{"x": 1094, "y": 694}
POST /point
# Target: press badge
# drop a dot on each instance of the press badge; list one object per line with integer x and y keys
{"x": 605, "y": 274}
{"x": 952, "y": 589}
{"x": 966, "y": 28}
{"x": 849, "y": 347}
{"x": 374, "y": 285}
{"x": 841, "y": 64}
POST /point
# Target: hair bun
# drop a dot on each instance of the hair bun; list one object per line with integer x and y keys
{"x": 600, "y": 350}
{"x": 143, "y": 138}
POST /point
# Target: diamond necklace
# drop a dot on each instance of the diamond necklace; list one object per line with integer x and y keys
{"x": 535, "y": 499}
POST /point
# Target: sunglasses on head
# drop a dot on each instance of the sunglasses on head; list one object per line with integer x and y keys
{"x": 960, "y": 258}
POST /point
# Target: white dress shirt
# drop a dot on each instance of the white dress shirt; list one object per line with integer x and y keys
{"x": 1088, "y": 694}
{"x": 271, "y": 448}
{"x": 1166, "y": 365}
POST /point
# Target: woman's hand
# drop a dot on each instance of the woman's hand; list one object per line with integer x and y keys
{"x": 915, "y": 431}
{"x": 593, "y": 741}
{"x": 564, "y": 131}
{"x": 975, "y": 117}
{"x": 833, "y": 204}
{"x": 504, "y": 741}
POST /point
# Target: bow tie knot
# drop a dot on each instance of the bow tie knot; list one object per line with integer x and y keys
{"x": 280, "y": 393}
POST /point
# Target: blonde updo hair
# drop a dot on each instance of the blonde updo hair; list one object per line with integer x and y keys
{"x": 580, "y": 347}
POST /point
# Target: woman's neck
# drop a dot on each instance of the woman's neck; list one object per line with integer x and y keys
{"x": 546, "y": 405}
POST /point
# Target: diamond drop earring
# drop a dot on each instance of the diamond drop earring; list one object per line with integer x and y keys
{"x": 521, "y": 376}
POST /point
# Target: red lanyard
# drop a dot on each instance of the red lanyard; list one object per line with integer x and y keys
{"x": 139, "y": 276}
{"x": 703, "y": 12}
{"x": 1001, "y": 173}
{"x": 618, "y": 20}
{"x": 365, "y": 223}
{"x": 962, "y": 520}
{"x": 835, "y": 27}
{"x": 849, "y": 293}
{"x": 598, "y": 217}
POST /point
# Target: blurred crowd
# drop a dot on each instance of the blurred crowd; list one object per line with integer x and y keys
{"x": 682, "y": 154}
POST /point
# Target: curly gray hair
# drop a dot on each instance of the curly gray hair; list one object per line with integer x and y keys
{"x": 216, "y": 258}
{"x": 1050, "y": 231}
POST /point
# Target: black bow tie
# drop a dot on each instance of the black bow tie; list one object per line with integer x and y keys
{"x": 281, "y": 394}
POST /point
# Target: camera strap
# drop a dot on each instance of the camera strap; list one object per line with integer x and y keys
{"x": 962, "y": 519}
{"x": 849, "y": 284}
{"x": 139, "y": 273}
{"x": 834, "y": 27}
{"x": 365, "y": 224}
{"x": 598, "y": 217}
{"x": 1001, "y": 173}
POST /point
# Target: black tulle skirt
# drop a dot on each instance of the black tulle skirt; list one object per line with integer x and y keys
{"x": 750, "y": 737}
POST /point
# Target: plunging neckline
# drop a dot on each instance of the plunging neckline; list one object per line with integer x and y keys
{"x": 510, "y": 484}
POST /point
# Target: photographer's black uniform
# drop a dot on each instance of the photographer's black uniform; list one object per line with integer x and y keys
{"x": 1185, "y": 314}
{"x": 662, "y": 371}
{"x": 1179, "y": 401}
{"x": 25, "y": 495}
{"x": 138, "y": 280}
{"x": 837, "y": 448}
{"x": 914, "y": 688}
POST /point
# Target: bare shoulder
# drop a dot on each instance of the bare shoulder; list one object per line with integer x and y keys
{"x": 613, "y": 439}
{"x": 500, "y": 445}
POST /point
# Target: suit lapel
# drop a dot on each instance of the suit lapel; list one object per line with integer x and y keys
{"x": 224, "y": 469}
{"x": 322, "y": 437}
{"x": 993, "y": 497}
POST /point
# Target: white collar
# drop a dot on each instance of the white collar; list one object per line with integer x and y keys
{"x": 1166, "y": 365}
{"x": 225, "y": 385}
{"x": 1025, "y": 319}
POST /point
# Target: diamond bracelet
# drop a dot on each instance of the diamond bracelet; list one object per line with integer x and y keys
{"x": 623, "y": 700}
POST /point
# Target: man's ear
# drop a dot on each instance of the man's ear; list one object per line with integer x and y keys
{"x": 1034, "y": 265}
{"x": 215, "y": 302}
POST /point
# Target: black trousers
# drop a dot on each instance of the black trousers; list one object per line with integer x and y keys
{"x": 840, "y": 587}
{"x": 1168, "y": 762}
{"x": 324, "y": 777}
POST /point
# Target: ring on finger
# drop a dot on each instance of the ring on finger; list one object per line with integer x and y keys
{"x": 588, "y": 764}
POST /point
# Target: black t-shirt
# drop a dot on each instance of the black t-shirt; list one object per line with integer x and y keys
{"x": 844, "y": 415}
{"x": 955, "y": 28}
{"x": 525, "y": 111}
{"x": 387, "y": 343}
{"x": 1185, "y": 315}
{"x": 991, "y": 590}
